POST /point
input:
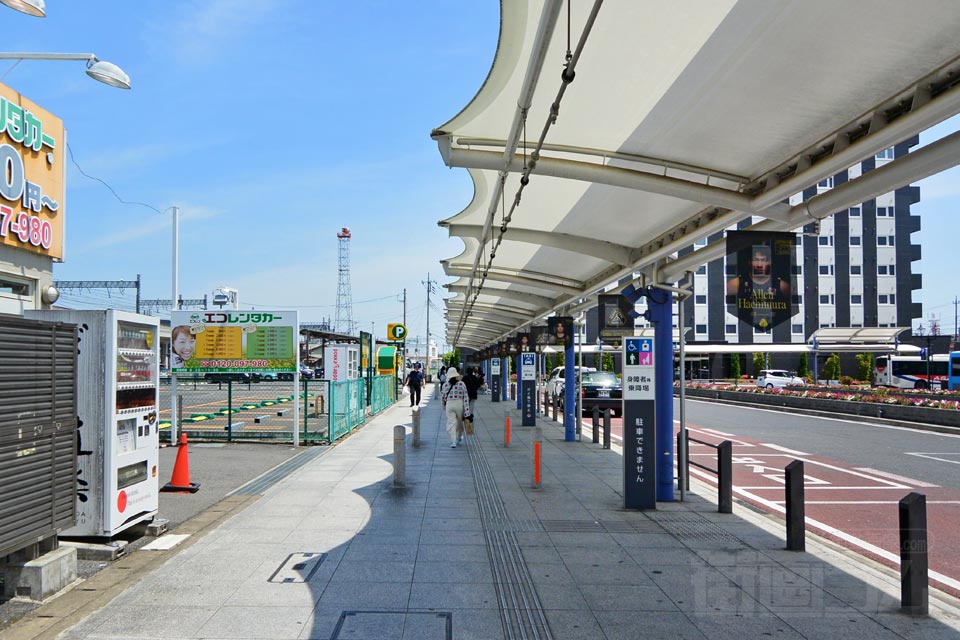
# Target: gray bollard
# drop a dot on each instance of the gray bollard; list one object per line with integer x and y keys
{"x": 416, "y": 428}
{"x": 914, "y": 587}
{"x": 399, "y": 456}
{"x": 796, "y": 510}
{"x": 680, "y": 465}
{"x": 725, "y": 477}
{"x": 606, "y": 428}
{"x": 596, "y": 425}
{"x": 536, "y": 441}
{"x": 554, "y": 403}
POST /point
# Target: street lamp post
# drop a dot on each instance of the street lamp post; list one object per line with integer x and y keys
{"x": 100, "y": 70}
{"x": 36, "y": 8}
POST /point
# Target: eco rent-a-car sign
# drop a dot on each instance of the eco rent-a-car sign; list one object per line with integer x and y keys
{"x": 31, "y": 185}
{"x": 233, "y": 341}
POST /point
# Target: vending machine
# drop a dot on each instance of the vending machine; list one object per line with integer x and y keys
{"x": 118, "y": 444}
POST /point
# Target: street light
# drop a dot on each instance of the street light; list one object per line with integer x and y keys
{"x": 100, "y": 70}
{"x": 35, "y": 8}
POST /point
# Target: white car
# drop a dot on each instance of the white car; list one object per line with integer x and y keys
{"x": 555, "y": 381}
{"x": 777, "y": 379}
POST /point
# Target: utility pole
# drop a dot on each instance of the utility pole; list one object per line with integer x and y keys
{"x": 955, "y": 302}
{"x": 429, "y": 288}
{"x": 408, "y": 330}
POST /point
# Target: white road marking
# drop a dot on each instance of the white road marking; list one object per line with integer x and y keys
{"x": 893, "y": 476}
{"x": 833, "y": 487}
{"x": 719, "y": 433}
{"x": 784, "y": 449}
{"x": 835, "y": 419}
{"x": 711, "y": 432}
{"x": 168, "y": 541}
{"x": 933, "y": 456}
{"x": 825, "y": 528}
{"x": 866, "y": 501}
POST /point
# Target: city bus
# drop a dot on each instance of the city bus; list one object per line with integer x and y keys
{"x": 914, "y": 372}
{"x": 954, "y": 371}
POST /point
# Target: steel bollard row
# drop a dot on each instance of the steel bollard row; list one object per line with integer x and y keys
{"x": 914, "y": 585}
{"x": 416, "y": 428}
{"x": 596, "y": 425}
{"x": 725, "y": 477}
{"x": 606, "y": 428}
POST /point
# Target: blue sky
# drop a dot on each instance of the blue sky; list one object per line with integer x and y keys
{"x": 272, "y": 124}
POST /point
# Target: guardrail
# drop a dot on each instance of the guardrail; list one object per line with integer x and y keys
{"x": 724, "y": 471}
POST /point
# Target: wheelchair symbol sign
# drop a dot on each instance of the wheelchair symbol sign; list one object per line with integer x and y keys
{"x": 639, "y": 352}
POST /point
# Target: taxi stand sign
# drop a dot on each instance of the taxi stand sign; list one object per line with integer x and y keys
{"x": 528, "y": 389}
{"x": 495, "y": 379}
{"x": 639, "y": 424}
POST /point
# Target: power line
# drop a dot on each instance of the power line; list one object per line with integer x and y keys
{"x": 104, "y": 183}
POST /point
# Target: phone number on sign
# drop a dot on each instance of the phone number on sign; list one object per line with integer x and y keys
{"x": 29, "y": 229}
{"x": 206, "y": 364}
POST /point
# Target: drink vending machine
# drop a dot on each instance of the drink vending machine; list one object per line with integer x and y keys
{"x": 118, "y": 443}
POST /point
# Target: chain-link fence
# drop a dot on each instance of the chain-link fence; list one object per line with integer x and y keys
{"x": 249, "y": 409}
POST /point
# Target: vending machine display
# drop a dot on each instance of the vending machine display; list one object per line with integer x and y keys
{"x": 117, "y": 407}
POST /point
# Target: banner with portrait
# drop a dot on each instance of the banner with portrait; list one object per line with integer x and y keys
{"x": 760, "y": 281}
{"x": 560, "y": 330}
{"x": 524, "y": 342}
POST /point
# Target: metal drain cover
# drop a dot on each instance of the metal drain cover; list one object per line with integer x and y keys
{"x": 394, "y": 625}
{"x": 298, "y": 567}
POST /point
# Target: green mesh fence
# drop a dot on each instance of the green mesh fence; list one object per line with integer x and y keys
{"x": 383, "y": 394}
{"x": 348, "y": 407}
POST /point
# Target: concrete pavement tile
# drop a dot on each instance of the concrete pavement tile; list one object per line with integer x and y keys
{"x": 549, "y": 573}
{"x": 573, "y": 625}
{"x": 250, "y": 622}
{"x": 920, "y": 628}
{"x": 433, "y": 595}
{"x": 626, "y": 625}
{"x": 719, "y": 558}
{"x": 561, "y": 596}
{"x": 473, "y": 624}
{"x": 452, "y": 553}
{"x": 365, "y": 596}
{"x": 183, "y": 592}
{"x": 384, "y": 552}
{"x": 150, "y": 621}
{"x": 609, "y": 597}
{"x": 453, "y": 524}
{"x": 796, "y": 599}
{"x": 647, "y": 540}
{"x": 623, "y": 574}
{"x": 271, "y": 594}
{"x": 372, "y": 571}
{"x": 645, "y": 556}
{"x": 453, "y": 572}
{"x": 838, "y": 626}
{"x": 610, "y": 554}
{"x": 533, "y": 539}
{"x": 867, "y": 599}
{"x": 540, "y": 555}
{"x": 431, "y": 537}
{"x": 737, "y": 626}
{"x": 465, "y": 511}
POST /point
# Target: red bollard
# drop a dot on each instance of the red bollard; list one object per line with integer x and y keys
{"x": 506, "y": 433}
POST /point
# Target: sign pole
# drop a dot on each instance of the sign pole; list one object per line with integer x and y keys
{"x": 495, "y": 379}
{"x": 528, "y": 388}
{"x": 639, "y": 424}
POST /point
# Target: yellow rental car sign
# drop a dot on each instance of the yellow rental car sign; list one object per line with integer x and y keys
{"x": 397, "y": 331}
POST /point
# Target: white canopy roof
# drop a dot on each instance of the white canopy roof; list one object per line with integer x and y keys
{"x": 683, "y": 118}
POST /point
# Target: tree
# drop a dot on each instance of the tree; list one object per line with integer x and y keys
{"x": 452, "y": 358}
{"x": 558, "y": 360}
{"x": 865, "y": 366}
{"x": 831, "y": 368}
{"x": 758, "y": 362}
{"x": 735, "y": 368}
{"x": 803, "y": 367}
{"x": 607, "y": 362}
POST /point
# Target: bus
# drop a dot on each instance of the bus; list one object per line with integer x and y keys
{"x": 914, "y": 372}
{"x": 954, "y": 372}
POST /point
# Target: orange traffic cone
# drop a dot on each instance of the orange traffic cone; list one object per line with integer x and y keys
{"x": 180, "y": 481}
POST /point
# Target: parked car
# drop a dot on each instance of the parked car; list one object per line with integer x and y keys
{"x": 555, "y": 381}
{"x": 778, "y": 378}
{"x": 306, "y": 372}
{"x": 234, "y": 377}
{"x": 601, "y": 389}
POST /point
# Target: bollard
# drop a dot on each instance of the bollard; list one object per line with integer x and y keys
{"x": 606, "y": 428}
{"x": 506, "y": 432}
{"x": 725, "y": 477}
{"x": 513, "y": 391}
{"x": 796, "y": 527}
{"x": 536, "y": 441}
{"x": 596, "y": 425}
{"x": 554, "y": 403}
{"x": 399, "y": 456}
{"x": 680, "y": 465}
{"x": 914, "y": 588}
{"x": 416, "y": 428}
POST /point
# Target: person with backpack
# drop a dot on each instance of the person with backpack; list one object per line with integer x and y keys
{"x": 456, "y": 404}
{"x": 413, "y": 382}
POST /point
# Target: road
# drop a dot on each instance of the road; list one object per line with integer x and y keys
{"x": 855, "y": 473}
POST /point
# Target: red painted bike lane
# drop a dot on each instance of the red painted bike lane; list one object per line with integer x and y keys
{"x": 853, "y": 506}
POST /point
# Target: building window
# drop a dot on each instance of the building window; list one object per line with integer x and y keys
{"x": 826, "y": 184}
{"x": 826, "y": 269}
{"x": 854, "y": 212}
{"x": 701, "y": 329}
{"x": 796, "y": 299}
{"x": 887, "y": 299}
{"x": 856, "y": 299}
{"x": 702, "y": 270}
{"x": 881, "y": 241}
{"x": 884, "y": 212}
{"x": 702, "y": 242}
{"x": 731, "y": 328}
{"x": 797, "y": 328}
{"x": 893, "y": 299}
{"x": 700, "y": 299}
{"x": 14, "y": 288}
{"x": 886, "y": 154}
{"x": 881, "y": 269}
{"x": 825, "y": 241}
{"x": 892, "y": 270}
{"x": 855, "y": 270}
{"x": 796, "y": 269}
{"x": 824, "y": 299}
{"x": 891, "y": 240}
{"x": 854, "y": 241}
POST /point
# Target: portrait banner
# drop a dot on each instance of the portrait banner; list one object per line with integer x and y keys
{"x": 760, "y": 278}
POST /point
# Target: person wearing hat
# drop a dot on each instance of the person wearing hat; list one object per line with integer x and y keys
{"x": 456, "y": 404}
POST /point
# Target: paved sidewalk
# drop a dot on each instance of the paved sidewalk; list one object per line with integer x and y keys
{"x": 469, "y": 550}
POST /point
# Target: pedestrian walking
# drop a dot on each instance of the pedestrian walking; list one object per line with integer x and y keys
{"x": 413, "y": 382}
{"x": 473, "y": 380}
{"x": 456, "y": 403}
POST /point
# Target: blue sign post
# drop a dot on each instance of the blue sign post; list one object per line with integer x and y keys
{"x": 495, "y": 379}
{"x": 528, "y": 388}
